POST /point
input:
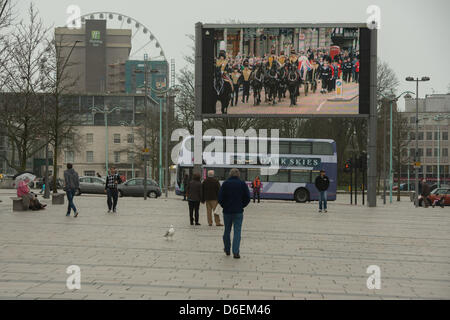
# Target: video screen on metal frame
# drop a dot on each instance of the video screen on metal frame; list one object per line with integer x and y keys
{"x": 288, "y": 71}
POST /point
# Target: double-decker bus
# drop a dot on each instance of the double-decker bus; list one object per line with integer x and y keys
{"x": 299, "y": 163}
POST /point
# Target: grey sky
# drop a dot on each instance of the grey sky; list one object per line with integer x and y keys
{"x": 414, "y": 35}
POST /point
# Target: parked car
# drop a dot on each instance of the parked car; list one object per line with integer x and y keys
{"x": 437, "y": 193}
{"x": 93, "y": 185}
{"x": 135, "y": 188}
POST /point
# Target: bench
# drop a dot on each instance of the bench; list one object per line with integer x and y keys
{"x": 19, "y": 205}
{"x": 58, "y": 198}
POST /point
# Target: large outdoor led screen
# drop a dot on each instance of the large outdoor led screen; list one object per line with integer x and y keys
{"x": 285, "y": 70}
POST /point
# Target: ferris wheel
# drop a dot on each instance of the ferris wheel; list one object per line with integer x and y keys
{"x": 143, "y": 41}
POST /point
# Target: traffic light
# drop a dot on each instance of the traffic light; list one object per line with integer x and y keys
{"x": 348, "y": 166}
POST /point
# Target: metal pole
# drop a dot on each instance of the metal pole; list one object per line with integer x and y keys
{"x": 145, "y": 126}
{"x": 166, "y": 158}
{"x": 409, "y": 163}
{"x": 105, "y": 112}
{"x": 416, "y": 151}
{"x": 439, "y": 157}
{"x": 384, "y": 155}
{"x": 133, "y": 155}
{"x": 160, "y": 144}
{"x": 47, "y": 184}
{"x": 372, "y": 125}
{"x": 356, "y": 181}
{"x": 390, "y": 154}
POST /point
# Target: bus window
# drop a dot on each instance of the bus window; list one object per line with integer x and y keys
{"x": 300, "y": 147}
{"x": 218, "y": 172}
{"x": 314, "y": 175}
{"x": 284, "y": 147}
{"x": 281, "y": 176}
{"x": 299, "y": 176}
{"x": 252, "y": 173}
{"x": 322, "y": 148}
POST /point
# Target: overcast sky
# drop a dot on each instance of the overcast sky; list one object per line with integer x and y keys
{"x": 413, "y": 39}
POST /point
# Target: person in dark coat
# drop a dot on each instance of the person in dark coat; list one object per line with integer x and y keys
{"x": 210, "y": 191}
{"x": 194, "y": 196}
{"x": 234, "y": 196}
{"x": 322, "y": 183}
{"x": 425, "y": 193}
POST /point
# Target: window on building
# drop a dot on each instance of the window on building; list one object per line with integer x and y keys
{"x": 444, "y": 152}
{"x": 421, "y": 135}
{"x": 420, "y": 152}
{"x": 116, "y": 156}
{"x": 89, "y": 156}
{"x": 445, "y": 135}
{"x": 68, "y": 156}
{"x": 429, "y": 169}
{"x": 411, "y": 153}
{"x": 435, "y": 152}
{"x": 89, "y": 137}
{"x": 429, "y": 152}
{"x": 412, "y": 120}
{"x": 130, "y": 138}
{"x": 436, "y": 135}
{"x": 116, "y": 137}
{"x": 430, "y": 135}
{"x": 412, "y": 136}
{"x": 89, "y": 173}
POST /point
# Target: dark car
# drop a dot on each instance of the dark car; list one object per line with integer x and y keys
{"x": 135, "y": 188}
{"x": 93, "y": 185}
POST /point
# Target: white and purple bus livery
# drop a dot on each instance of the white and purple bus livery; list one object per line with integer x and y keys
{"x": 299, "y": 163}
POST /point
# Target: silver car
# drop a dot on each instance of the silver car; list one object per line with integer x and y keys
{"x": 135, "y": 188}
{"x": 91, "y": 185}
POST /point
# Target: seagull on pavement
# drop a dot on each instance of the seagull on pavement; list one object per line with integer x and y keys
{"x": 170, "y": 232}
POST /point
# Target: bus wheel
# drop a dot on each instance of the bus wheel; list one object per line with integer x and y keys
{"x": 301, "y": 195}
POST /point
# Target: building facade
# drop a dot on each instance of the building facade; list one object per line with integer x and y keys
{"x": 433, "y": 137}
{"x": 91, "y": 60}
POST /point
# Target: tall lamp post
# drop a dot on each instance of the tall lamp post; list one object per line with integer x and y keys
{"x": 146, "y": 87}
{"x": 167, "y": 94}
{"x": 105, "y": 112}
{"x": 416, "y": 153}
{"x": 391, "y": 99}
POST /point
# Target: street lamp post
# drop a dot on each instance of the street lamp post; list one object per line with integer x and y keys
{"x": 105, "y": 112}
{"x": 392, "y": 99}
{"x": 146, "y": 87}
{"x": 416, "y": 153}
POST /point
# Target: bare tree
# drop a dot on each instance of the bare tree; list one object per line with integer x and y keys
{"x": 21, "y": 74}
{"x": 60, "y": 119}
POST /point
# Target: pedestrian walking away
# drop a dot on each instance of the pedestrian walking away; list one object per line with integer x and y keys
{"x": 322, "y": 183}
{"x": 210, "y": 191}
{"x": 425, "y": 193}
{"x": 71, "y": 184}
{"x": 112, "y": 181}
{"x": 256, "y": 186}
{"x": 234, "y": 196}
{"x": 194, "y": 196}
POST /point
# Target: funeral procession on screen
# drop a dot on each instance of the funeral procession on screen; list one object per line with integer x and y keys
{"x": 286, "y": 71}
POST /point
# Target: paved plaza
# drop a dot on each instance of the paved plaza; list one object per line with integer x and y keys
{"x": 288, "y": 251}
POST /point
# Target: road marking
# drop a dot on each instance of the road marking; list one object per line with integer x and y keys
{"x": 320, "y": 105}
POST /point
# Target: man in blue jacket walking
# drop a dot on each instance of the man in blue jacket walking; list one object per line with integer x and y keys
{"x": 234, "y": 196}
